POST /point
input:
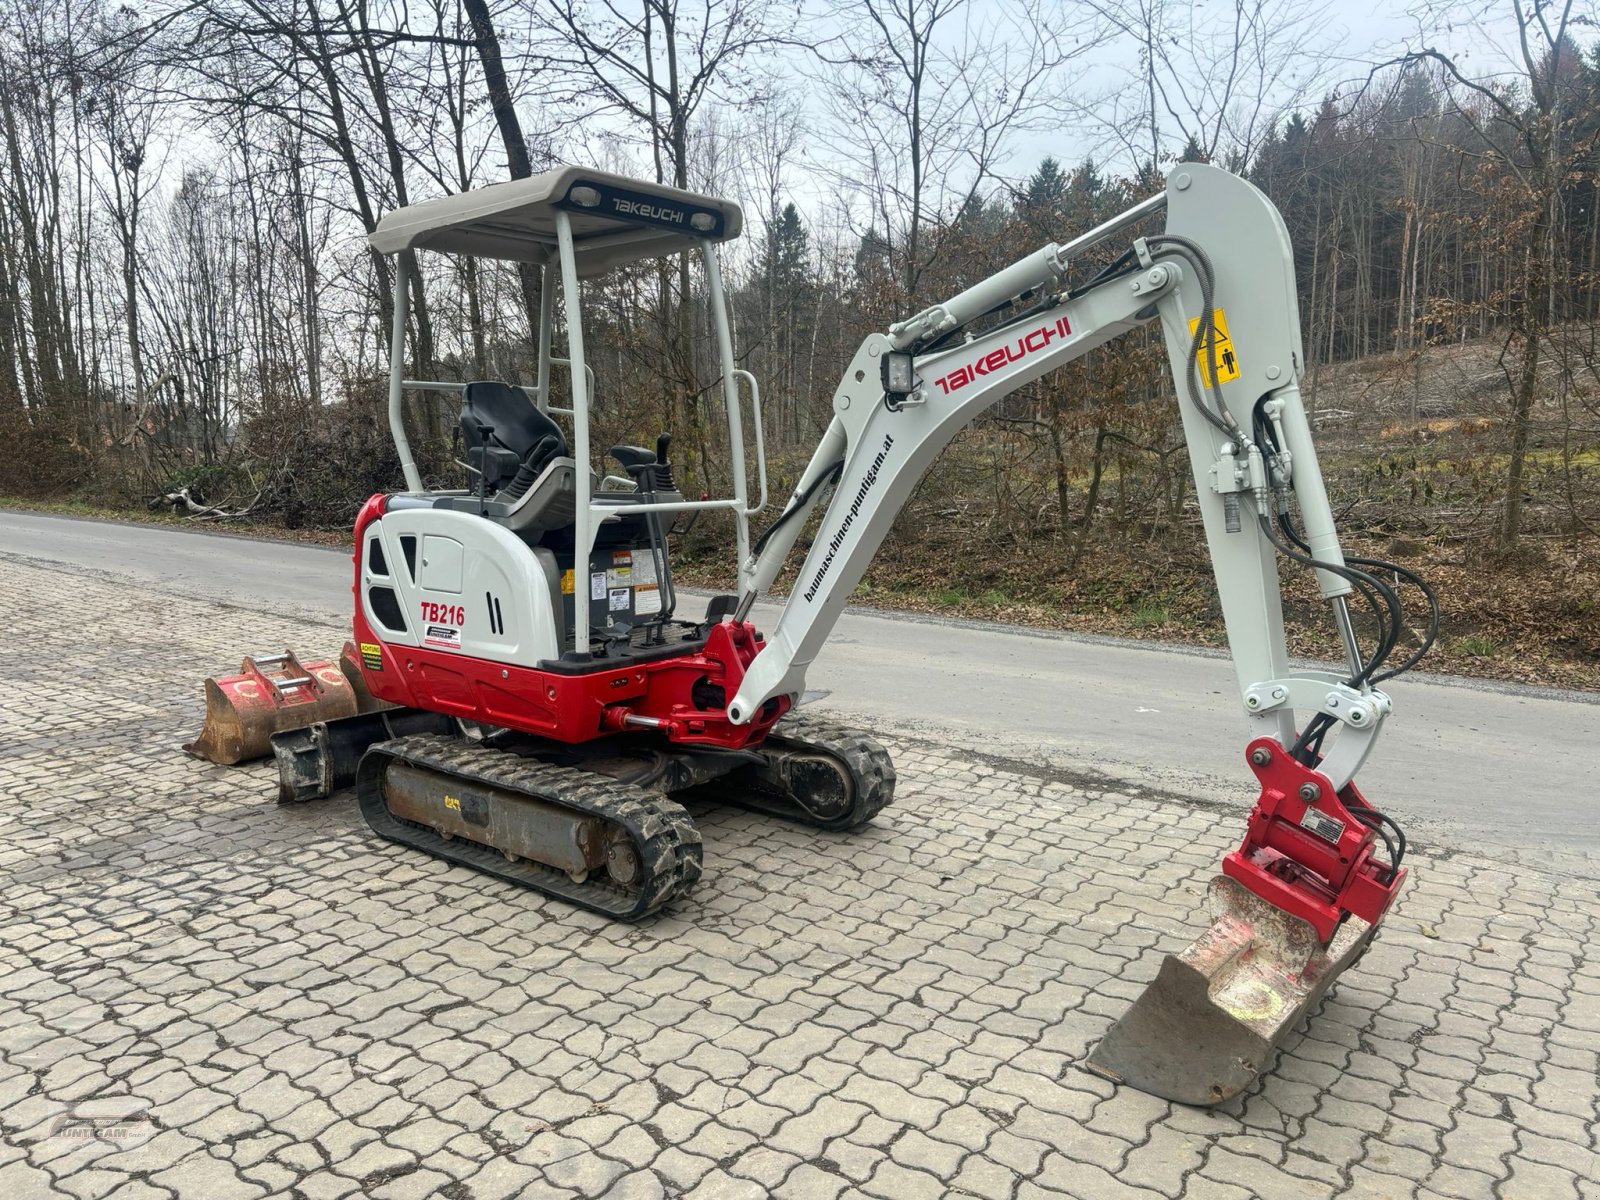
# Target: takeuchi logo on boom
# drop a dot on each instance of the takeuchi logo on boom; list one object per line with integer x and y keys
{"x": 1028, "y": 343}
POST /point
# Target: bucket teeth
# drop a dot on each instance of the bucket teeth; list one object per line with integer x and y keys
{"x": 1206, "y": 1028}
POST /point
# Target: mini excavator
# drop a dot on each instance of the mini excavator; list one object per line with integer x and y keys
{"x": 531, "y": 698}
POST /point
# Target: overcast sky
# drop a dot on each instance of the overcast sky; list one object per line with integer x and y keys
{"x": 1333, "y": 46}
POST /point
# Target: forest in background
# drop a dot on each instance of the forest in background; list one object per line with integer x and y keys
{"x": 188, "y": 307}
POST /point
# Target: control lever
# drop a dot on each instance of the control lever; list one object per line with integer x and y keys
{"x": 483, "y": 452}
{"x": 664, "y": 480}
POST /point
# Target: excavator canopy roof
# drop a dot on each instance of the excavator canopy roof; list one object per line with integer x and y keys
{"x": 615, "y": 220}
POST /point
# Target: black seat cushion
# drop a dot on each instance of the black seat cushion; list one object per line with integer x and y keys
{"x": 501, "y": 427}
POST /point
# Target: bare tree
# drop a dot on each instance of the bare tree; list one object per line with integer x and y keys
{"x": 1213, "y": 77}
{"x": 1524, "y": 125}
{"x": 926, "y": 96}
{"x": 658, "y": 67}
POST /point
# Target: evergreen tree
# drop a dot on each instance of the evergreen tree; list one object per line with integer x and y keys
{"x": 789, "y": 255}
{"x": 1045, "y": 190}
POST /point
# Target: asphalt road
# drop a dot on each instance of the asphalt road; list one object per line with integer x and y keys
{"x": 1463, "y": 764}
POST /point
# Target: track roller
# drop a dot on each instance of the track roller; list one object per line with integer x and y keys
{"x": 610, "y": 847}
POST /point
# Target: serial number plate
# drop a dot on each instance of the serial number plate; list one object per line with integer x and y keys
{"x": 1329, "y": 829}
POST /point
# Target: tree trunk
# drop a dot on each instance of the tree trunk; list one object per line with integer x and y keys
{"x": 518, "y": 163}
{"x": 1536, "y": 304}
{"x": 1093, "y": 497}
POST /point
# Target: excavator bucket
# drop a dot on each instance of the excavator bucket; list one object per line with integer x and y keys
{"x": 1207, "y": 1027}
{"x": 271, "y": 693}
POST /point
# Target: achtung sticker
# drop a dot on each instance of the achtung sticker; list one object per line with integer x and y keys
{"x": 372, "y": 656}
{"x": 1227, "y": 360}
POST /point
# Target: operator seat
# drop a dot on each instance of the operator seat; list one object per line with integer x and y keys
{"x": 528, "y": 479}
{"x": 508, "y": 439}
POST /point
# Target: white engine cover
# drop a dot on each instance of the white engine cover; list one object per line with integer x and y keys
{"x": 478, "y": 589}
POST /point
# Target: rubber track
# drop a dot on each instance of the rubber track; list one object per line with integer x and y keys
{"x": 870, "y": 767}
{"x": 662, "y": 831}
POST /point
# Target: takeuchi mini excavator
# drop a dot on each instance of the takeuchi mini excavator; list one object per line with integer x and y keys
{"x": 532, "y": 697}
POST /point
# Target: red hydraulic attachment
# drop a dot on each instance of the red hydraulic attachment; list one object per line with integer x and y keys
{"x": 1304, "y": 851}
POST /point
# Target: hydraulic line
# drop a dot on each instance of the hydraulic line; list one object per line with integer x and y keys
{"x": 1358, "y": 578}
{"x": 796, "y": 505}
{"x": 1390, "y": 631}
{"x": 1376, "y": 822}
{"x": 1205, "y": 332}
{"x": 1117, "y": 269}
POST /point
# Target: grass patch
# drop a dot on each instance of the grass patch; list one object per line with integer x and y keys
{"x": 1477, "y": 645}
{"x": 1147, "y": 614}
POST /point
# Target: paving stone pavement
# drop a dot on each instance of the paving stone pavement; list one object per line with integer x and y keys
{"x": 203, "y": 994}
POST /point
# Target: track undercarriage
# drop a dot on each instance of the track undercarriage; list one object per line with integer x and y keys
{"x": 592, "y": 824}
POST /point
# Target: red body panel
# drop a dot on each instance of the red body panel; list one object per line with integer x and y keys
{"x": 659, "y": 694}
{"x": 1286, "y": 864}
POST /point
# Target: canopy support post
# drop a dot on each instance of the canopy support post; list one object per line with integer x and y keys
{"x": 397, "y": 370}
{"x": 583, "y": 520}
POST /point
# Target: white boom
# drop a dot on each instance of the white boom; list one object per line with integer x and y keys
{"x": 1225, "y": 247}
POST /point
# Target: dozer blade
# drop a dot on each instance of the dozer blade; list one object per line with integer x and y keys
{"x": 318, "y": 760}
{"x": 270, "y": 693}
{"x": 1205, "y": 1029}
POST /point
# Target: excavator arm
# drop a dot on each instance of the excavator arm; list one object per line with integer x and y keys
{"x": 1301, "y": 896}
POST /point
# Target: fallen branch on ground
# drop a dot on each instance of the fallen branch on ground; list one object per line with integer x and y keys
{"x": 182, "y": 501}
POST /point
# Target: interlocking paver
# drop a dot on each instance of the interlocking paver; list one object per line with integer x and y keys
{"x": 292, "y": 1005}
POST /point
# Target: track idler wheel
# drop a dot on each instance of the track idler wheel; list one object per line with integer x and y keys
{"x": 815, "y": 772}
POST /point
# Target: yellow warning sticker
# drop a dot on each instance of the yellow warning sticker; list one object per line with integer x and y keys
{"x": 1227, "y": 361}
{"x": 567, "y": 583}
{"x": 372, "y": 656}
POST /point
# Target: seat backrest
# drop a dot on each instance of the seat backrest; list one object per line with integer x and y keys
{"x": 516, "y": 426}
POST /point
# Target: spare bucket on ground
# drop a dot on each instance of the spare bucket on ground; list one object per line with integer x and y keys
{"x": 1206, "y": 1028}
{"x": 272, "y": 693}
